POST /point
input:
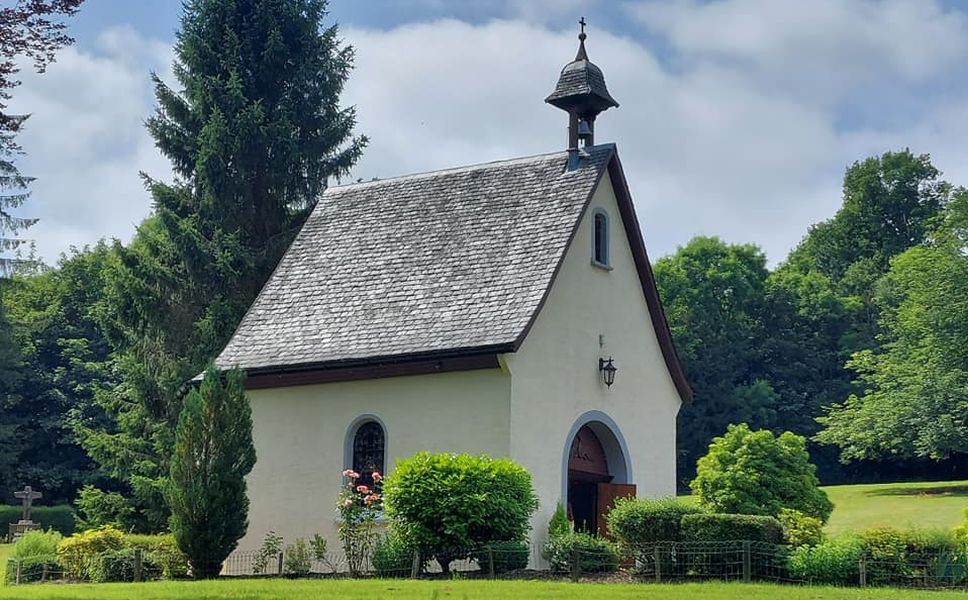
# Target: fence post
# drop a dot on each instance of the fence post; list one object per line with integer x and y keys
{"x": 747, "y": 561}
{"x": 862, "y": 569}
{"x": 415, "y": 567}
{"x": 575, "y": 565}
{"x": 279, "y": 573}
{"x": 43, "y": 574}
{"x": 19, "y": 562}
{"x": 138, "y": 564}
{"x": 490, "y": 560}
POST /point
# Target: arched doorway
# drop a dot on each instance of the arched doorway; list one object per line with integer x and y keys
{"x": 597, "y": 473}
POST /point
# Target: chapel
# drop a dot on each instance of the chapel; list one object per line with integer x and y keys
{"x": 505, "y": 308}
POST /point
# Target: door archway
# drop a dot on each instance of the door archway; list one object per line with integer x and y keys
{"x": 596, "y": 471}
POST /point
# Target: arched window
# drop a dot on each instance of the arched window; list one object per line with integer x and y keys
{"x": 600, "y": 240}
{"x": 369, "y": 451}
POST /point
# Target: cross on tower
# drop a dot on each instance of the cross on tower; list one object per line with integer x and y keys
{"x": 28, "y": 495}
{"x": 581, "y": 22}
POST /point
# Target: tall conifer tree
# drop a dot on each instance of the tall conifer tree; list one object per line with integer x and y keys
{"x": 254, "y": 133}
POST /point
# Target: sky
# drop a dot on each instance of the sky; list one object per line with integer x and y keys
{"x": 737, "y": 117}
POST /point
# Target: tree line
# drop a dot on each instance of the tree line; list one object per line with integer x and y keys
{"x": 853, "y": 340}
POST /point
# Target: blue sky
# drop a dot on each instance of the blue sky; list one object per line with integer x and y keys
{"x": 737, "y": 117}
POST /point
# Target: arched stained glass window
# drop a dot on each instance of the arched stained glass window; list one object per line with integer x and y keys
{"x": 369, "y": 451}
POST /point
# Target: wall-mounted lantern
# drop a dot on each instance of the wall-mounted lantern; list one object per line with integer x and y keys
{"x": 608, "y": 369}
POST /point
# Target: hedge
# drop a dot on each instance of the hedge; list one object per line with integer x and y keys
{"x": 717, "y": 527}
{"x": 637, "y": 522}
{"x": 59, "y": 518}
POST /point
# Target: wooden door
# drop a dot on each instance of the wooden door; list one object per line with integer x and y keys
{"x": 607, "y": 494}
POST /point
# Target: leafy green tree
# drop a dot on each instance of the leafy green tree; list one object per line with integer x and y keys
{"x": 758, "y": 473}
{"x": 915, "y": 401}
{"x": 448, "y": 505}
{"x": 213, "y": 454}
{"x": 63, "y": 364}
{"x": 254, "y": 134}
{"x": 889, "y": 202}
{"x": 713, "y": 295}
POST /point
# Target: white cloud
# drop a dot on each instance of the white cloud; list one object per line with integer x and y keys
{"x": 85, "y": 141}
{"x": 741, "y": 130}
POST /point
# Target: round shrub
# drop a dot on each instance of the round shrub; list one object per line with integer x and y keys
{"x": 80, "y": 554}
{"x": 449, "y": 504}
{"x": 729, "y": 528}
{"x": 758, "y": 473}
{"x": 507, "y": 556}
{"x": 594, "y": 555}
{"x": 639, "y": 522}
{"x": 800, "y": 529}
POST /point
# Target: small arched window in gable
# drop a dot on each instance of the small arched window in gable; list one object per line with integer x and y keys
{"x": 600, "y": 248}
{"x": 369, "y": 451}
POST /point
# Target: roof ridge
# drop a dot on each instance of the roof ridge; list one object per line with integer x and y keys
{"x": 462, "y": 168}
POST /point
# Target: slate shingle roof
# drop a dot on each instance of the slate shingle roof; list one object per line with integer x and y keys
{"x": 451, "y": 260}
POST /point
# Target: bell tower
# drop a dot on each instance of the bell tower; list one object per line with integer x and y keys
{"x": 581, "y": 92}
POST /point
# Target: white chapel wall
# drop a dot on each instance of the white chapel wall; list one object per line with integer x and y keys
{"x": 555, "y": 377}
{"x": 299, "y": 435}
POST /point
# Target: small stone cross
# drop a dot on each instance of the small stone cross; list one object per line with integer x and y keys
{"x": 28, "y": 495}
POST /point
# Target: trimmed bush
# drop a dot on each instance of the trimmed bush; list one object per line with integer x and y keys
{"x": 594, "y": 555}
{"x": 757, "y": 473}
{"x": 508, "y": 556}
{"x": 449, "y": 504}
{"x": 727, "y": 528}
{"x": 119, "y": 565}
{"x": 163, "y": 552}
{"x": 60, "y": 518}
{"x": 80, "y": 554}
{"x": 638, "y": 522}
{"x": 833, "y": 562}
{"x": 800, "y": 529}
{"x": 392, "y": 556}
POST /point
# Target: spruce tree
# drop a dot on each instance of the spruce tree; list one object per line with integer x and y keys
{"x": 254, "y": 133}
{"x": 213, "y": 454}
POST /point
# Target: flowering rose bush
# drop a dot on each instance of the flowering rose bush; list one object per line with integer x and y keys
{"x": 358, "y": 506}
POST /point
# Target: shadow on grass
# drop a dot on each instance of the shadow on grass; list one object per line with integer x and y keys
{"x": 940, "y": 490}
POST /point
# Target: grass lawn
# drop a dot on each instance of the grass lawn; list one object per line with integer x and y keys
{"x": 936, "y": 505}
{"x": 524, "y": 590}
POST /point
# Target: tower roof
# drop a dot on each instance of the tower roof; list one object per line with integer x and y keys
{"x": 581, "y": 85}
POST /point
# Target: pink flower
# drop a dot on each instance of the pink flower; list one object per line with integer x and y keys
{"x": 371, "y": 499}
{"x": 350, "y": 473}
{"x": 347, "y": 503}
{"x": 377, "y": 478}
{"x": 362, "y": 489}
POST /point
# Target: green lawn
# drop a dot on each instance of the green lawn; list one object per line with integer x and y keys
{"x": 928, "y": 505}
{"x": 524, "y": 590}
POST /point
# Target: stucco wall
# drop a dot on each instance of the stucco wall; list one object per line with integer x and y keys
{"x": 555, "y": 377}
{"x": 300, "y": 432}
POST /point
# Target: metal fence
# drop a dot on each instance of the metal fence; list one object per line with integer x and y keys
{"x": 660, "y": 562}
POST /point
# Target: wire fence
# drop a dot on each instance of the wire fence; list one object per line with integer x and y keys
{"x": 659, "y": 562}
